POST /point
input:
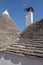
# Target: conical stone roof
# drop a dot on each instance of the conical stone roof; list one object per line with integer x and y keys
{"x": 33, "y": 31}
{"x": 32, "y": 39}
{"x": 8, "y": 31}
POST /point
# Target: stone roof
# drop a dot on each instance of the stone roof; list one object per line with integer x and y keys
{"x": 8, "y": 31}
{"x": 30, "y": 42}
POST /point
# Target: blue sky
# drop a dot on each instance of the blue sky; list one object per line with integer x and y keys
{"x": 16, "y": 10}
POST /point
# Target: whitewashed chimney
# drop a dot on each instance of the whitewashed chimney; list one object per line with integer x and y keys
{"x": 29, "y": 16}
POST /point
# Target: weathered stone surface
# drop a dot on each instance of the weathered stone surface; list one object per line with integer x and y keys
{"x": 30, "y": 42}
{"x": 33, "y": 32}
{"x": 8, "y": 31}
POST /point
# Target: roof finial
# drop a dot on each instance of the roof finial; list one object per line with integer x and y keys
{"x": 6, "y": 12}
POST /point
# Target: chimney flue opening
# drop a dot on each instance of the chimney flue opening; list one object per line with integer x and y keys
{"x": 29, "y": 9}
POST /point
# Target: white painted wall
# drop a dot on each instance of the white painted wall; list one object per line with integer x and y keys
{"x": 7, "y": 59}
{"x": 29, "y": 18}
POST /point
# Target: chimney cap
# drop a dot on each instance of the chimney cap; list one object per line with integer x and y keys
{"x": 29, "y": 9}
